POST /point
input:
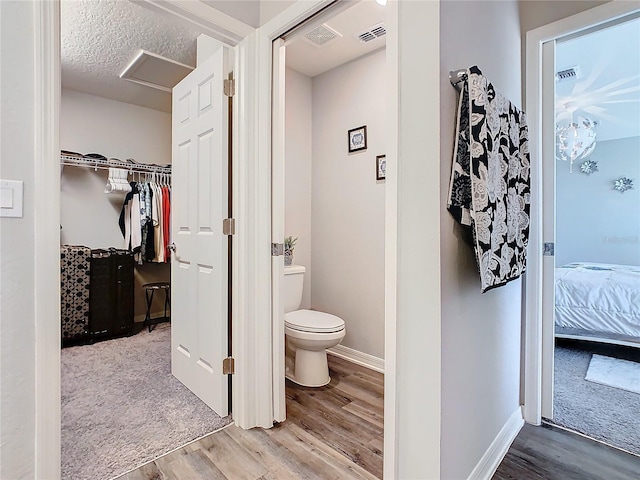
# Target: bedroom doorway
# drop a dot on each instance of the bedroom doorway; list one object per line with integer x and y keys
{"x": 596, "y": 253}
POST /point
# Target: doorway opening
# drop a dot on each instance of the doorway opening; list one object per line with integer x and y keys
{"x": 124, "y": 399}
{"x": 328, "y": 204}
{"x": 597, "y": 234}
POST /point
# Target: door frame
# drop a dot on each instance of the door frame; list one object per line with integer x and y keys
{"x": 538, "y": 341}
{"x": 47, "y": 237}
{"x": 271, "y": 110}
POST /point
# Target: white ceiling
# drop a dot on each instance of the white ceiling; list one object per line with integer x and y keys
{"x": 100, "y": 38}
{"x": 313, "y": 60}
{"x": 609, "y": 88}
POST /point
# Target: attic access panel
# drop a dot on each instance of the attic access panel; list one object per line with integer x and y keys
{"x": 155, "y": 71}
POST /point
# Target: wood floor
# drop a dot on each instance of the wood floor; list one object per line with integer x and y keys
{"x": 333, "y": 432}
{"x": 550, "y": 453}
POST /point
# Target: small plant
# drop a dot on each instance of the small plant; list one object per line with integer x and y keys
{"x": 289, "y": 244}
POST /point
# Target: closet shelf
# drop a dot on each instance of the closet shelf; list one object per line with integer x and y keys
{"x": 105, "y": 164}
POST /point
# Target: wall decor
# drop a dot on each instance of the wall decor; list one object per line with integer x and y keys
{"x": 623, "y": 184}
{"x": 357, "y": 139}
{"x": 588, "y": 167}
{"x": 381, "y": 167}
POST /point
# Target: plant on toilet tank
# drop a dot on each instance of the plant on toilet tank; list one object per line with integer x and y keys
{"x": 289, "y": 244}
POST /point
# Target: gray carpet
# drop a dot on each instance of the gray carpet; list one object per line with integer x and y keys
{"x": 121, "y": 407}
{"x": 605, "y": 413}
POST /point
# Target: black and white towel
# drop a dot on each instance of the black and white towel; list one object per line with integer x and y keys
{"x": 490, "y": 179}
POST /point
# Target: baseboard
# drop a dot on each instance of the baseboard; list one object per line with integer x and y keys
{"x": 359, "y": 358}
{"x": 496, "y": 452}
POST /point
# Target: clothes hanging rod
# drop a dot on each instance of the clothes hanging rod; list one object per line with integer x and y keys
{"x": 105, "y": 164}
{"x": 457, "y": 76}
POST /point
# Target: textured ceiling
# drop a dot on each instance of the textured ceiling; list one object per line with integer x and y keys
{"x": 312, "y": 60}
{"x": 609, "y": 88}
{"x": 99, "y": 38}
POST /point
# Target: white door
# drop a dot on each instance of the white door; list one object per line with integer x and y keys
{"x": 548, "y": 224}
{"x": 199, "y": 268}
{"x": 277, "y": 227}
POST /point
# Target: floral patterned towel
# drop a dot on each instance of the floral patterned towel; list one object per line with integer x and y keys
{"x": 490, "y": 181}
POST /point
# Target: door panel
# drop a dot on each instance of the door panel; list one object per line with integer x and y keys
{"x": 277, "y": 227}
{"x": 548, "y": 223}
{"x": 199, "y": 266}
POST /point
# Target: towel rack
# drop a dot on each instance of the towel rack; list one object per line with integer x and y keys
{"x": 457, "y": 76}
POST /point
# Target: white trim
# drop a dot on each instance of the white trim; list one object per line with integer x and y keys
{"x": 252, "y": 388}
{"x": 47, "y": 239}
{"x": 205, "y": 18}
{"x": 357, "y": 357}
{"x": 277, "y": 226}
{"x": 496, "y": 452}
{"x": 390, "y": 439}
{"x": 533, "y": 314}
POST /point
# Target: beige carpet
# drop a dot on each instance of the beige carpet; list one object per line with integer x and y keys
{"x": 121, "y": 407}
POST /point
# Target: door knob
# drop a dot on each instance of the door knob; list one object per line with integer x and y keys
{"x": 172, "y": 247}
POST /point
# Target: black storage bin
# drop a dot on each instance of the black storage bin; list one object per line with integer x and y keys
{"x": 111, "y": 293}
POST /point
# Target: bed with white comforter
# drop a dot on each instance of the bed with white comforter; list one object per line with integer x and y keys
{"x": 598, "y": 300}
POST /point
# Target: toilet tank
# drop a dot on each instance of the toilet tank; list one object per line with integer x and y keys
{"x": 292, "y": 287}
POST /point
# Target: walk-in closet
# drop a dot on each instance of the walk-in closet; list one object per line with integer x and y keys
{"x": 121, "y": 405}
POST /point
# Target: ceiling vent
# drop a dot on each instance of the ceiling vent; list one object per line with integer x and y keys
{"x": 155, "y": 71}
{"x": 568, "y": 74}
{"x": 321, "y": 35}
{"x": 372, "y": 33}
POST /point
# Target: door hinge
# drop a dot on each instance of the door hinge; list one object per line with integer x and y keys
{"x": 548, "y": 249}
{"x": 229, "y": 87}
{"x": 277, "y": 249}
{"x": 229, "y": 226}
{"x": 228, "y": 366}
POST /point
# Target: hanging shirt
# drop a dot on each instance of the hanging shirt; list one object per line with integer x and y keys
{"x": 158, "y": 237}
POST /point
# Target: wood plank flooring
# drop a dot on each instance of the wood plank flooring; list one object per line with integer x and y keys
{"x": 550, "y": 453}
{"x": 332, "y": 432}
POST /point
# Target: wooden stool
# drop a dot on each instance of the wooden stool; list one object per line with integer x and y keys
{"x": 149, "y": 290}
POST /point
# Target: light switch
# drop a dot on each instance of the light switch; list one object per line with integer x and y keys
{"x": 11, "y": 198}
{"x": 6, "y": 200}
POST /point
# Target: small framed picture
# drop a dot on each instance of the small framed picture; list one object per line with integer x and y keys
{"x": 381, "y": 167}
{"x": 358, "y": 139}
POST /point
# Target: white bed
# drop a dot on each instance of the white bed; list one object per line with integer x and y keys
{"x": 598, "y": 302}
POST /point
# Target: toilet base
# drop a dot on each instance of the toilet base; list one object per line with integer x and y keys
{"x": 289, "y": 376}
{"x": 311, "y": 368}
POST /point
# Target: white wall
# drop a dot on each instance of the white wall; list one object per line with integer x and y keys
{"x": 17, "y": 314}
{"x": 347, "y": 206}
{"x": 594, "y": 222}
{"x": 480, "y": 332}
{"x": 92, "y": 124}
{"x": 297, "y": 197}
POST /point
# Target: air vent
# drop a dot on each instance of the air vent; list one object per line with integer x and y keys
{"x": 321, "y": 35}
{"x": 568, "y": 74}
{"x": 372, "y": 33}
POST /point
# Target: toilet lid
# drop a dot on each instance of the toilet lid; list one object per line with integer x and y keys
{"x": 312, "y": 321}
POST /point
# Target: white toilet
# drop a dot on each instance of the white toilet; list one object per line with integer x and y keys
{"x": 309, "y": 333}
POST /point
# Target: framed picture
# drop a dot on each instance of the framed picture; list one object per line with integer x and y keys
{"x": 381, "y": 167}
{"x": 358, "y": 139}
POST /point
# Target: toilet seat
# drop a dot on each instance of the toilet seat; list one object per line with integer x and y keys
{"x": 313, "y": 322}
